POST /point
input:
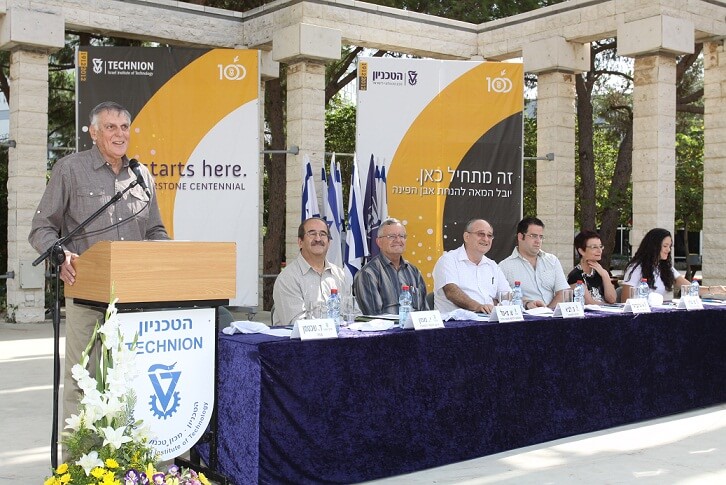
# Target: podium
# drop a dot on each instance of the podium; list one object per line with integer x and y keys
{"x": 168, "y": 293}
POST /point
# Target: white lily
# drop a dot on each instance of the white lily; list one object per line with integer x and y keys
{"x": 74, "y": 422}
{"x": 110, "y": 332}
{"x": 79, "y": 372}
{"x": 89, "y": 462}
{"x": 114, "y": 437}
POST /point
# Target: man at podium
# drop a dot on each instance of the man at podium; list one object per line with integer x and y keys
{"x": 79, "y": 185}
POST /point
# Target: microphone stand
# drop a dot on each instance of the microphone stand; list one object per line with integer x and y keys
{"x": 56, "y": 256}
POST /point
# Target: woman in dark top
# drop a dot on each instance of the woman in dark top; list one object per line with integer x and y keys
{"x": 600, "y": 288}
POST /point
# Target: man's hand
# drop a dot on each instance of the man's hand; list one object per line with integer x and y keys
{"x": 67, "y": 271}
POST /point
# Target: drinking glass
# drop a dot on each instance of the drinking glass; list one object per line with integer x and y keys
{"x": 568, "y": 295}
{"x": 505, "y": 298}
{"x": 685, "y": 290}
{"x": 348, "y": 309}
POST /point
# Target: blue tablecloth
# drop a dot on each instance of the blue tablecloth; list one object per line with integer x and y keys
{"x": 370, "y": 405}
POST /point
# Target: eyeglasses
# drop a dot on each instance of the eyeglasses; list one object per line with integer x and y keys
{"x": 595, "y": 246}
{"x": 320, "y": 234}
{"x": 534, "y": 237}
{"x": 482, "y": 234}
{"x": 391, "y": 237}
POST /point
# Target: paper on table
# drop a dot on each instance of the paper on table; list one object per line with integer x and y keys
{"x": 605, "y": 308}
{"x": 376, "y": 325}
{"x": 541, "y": 311}
{"x": 246, "y": 326}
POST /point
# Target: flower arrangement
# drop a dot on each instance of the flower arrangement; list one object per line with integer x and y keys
{"x": 105, "y": 444}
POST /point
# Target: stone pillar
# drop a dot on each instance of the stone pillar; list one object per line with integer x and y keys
{"x": 654, "y": 42}
{"x": 714, "y": 164}
{"x": 556, "y": 61}
{"x": 30, "y": 36}
{"x": 305, "y": 48}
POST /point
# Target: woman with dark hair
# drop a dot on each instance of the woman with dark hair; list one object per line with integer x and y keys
{"x": 653, "y": 262}
{"x": 597, "y": 281}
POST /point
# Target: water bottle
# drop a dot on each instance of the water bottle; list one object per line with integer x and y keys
{"x": 580, "y": 293}
{"x": 643, "y": 290}
{"x": 517, "y": 294}
{"x": 693, "y": 290}
{"x": 334, "y": 308}
{"x": 404, "y": 305}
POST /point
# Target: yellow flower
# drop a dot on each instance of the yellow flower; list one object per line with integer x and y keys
{"x": 62, "y": 469}
{"x": 150, "y": 470}
{"x": 51, "y": 481}
{"x": 203, "y": 479}
{"x": 111, "y": 463}
{"x": 65, "y": 478}
{"x": 109, "y": 479}
{"x": 98, "y": 472}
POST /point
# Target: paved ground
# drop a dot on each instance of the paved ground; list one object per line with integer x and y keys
{"x": 684, "y": 449}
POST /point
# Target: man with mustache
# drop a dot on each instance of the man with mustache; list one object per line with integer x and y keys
{"x": 465, "y": 277}
{"x": 540, "y": 274}
{"x": 310, "y": 277}
{"x": 378, "y": 284}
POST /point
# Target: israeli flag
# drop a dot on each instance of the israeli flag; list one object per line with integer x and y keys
{"x": 356, "y": 246}
{"x": 370, "y": 209}
{"x": 332, "y": 216}
{"x": 381, "y": 192}
{"x": 309, "y": 195}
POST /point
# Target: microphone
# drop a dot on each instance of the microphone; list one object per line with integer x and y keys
{"x": 134, "y": 166}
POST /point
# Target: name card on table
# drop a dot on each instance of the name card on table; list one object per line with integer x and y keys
{"x": 636, "y": 305}
{"x": 690, "y": 303}
{"x": 425, "y": 320}
{"x": 506, "y": 313}
{"x": 569, "y": 309}
{"x": 316, "y": 329}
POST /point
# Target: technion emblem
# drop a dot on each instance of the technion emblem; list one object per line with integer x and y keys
{"x": 164, "y": 379}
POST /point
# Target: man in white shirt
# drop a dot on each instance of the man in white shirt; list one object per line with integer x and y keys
{"x": 465, "y": 277}
{"x": 540, "y": 274}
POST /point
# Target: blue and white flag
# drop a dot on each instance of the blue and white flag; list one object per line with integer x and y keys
{"x": 370, "y": 209}
{"x": 332, "y": 215}
{"x": 356, "y": 246}
{"x": 309, "y": 195}
{"x": 381, "y": 193}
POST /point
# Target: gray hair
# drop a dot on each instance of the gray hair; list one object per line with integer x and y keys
{"x": 107, "y": 106}
{"x": 471, "y": 222}
{"x": 390, "y": 221}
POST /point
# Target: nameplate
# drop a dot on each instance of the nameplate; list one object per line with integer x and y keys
{"x": 569, "y": 309}
{"x": 690, "y": 303}
{"x": 317, "y": 329}
{"x": 506, "y": 313}
{"x": 426, "y": 320}
{"x": 636, "y": 305}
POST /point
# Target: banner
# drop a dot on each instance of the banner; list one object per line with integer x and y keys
{"x": 195, "y": 125}
{"x": 449, "y": 134}
{"x": 175, "y": 388}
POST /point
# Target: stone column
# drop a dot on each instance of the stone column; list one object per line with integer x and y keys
{"x": 305, "y": 48}
{"x": 714, "y": 163}
{"x": 30, "y": 36}
{"x": 556, "y": 61}
{"x": 654, "y": 42}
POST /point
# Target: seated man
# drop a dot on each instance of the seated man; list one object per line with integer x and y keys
{"x": 310, "y": 277}
{"x": 540, "y": 274}
{"x": 464, "y": 277}
{"x": 378, "y": 284}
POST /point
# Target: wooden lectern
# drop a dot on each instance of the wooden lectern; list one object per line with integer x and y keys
{"x": 166, "y": 275}
{"x": 155, "y": 273}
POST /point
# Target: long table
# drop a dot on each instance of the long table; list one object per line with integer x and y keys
{"x": 370, "y": 405}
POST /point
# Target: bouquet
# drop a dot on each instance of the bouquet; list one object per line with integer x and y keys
{"x": 105, "y": 444}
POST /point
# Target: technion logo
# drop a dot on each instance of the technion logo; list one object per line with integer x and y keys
{"x": 500, "y": 84}
{"x": 122, "y": 67}
{"x": 165, "y": 400}
{"x": 395, "y": 78}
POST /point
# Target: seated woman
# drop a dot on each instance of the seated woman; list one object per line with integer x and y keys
{"x": 597, "y": 281}
{"x": 653, "y": 262}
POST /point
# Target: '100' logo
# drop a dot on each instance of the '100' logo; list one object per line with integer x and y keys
{"x": 233, "y": 71}
{"x": 499, "y": 85}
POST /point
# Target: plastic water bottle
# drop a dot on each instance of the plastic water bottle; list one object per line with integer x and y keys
{"x": 643, "y": 290}
{"x": 517, "y": 294}
{"x": 334, "y": 308}
{"x": 580, "y": 293}
{"x": 693, "y": 290}
{"x": 404, "y": 305}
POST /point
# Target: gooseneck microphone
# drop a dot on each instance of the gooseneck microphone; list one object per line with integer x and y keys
{"x": 134, "y": 166}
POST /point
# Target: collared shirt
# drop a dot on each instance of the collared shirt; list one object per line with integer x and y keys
{"x": 481, "y": 282}
{"x": 539, "y": 283}
{"x": 298, "y": 283}
{"x": 378, "y": 285}
{"x": 79, "y": 185}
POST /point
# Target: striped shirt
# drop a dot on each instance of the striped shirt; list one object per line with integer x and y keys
{"x": 377, "y": 286}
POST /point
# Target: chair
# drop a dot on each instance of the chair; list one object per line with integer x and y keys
{"x": 430, "y": 300}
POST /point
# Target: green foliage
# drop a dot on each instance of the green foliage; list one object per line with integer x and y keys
{"x": 689, "y": 176}
{"x": 529, "y": 192}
